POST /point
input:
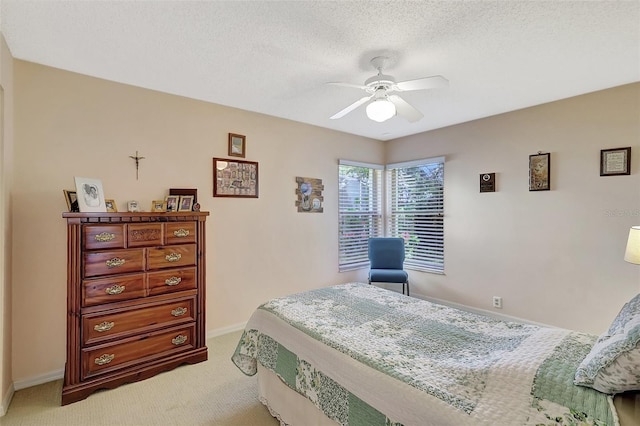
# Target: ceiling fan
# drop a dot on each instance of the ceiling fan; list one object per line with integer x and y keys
{"x": 381, "y": 89}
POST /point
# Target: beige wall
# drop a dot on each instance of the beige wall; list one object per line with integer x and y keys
{"x": 553, "y": 256}
{"x": 6, "y": 154}
{"x": 72, "y": 125}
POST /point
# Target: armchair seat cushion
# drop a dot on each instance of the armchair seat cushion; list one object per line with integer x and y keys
{"x": 388, "y": 276}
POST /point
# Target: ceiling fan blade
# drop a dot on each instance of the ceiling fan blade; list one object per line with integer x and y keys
{"x": 405, "y": 110}
{"x": 433, "y": 82}
{"x": 355, "y": 86}
{"x": 350, "y": 108}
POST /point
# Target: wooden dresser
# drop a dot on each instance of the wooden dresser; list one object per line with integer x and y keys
{"x": 135, "y": 297}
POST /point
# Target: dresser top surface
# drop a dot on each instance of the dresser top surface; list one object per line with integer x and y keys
{"x": 99, "y": 217}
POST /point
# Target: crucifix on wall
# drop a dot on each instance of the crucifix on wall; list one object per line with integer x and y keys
{"x": 137, "y": 158}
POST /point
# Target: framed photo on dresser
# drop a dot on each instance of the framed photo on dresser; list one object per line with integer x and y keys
{"x": 71, "y": 198}
{"x": 186, "y": 203}
{"x": 90, "y": 195}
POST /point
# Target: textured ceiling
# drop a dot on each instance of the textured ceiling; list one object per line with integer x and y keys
{"x": 275, "y": 57}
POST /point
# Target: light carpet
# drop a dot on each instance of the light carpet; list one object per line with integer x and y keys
{"x": 213, "y": 392}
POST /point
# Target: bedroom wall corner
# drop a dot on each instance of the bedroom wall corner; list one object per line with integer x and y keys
{"x": 555, "y": 256}
{"x": 6, "y": 164}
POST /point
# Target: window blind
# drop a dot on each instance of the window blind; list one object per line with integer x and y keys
{"x": 416, "y": 212}
{"x": 359, "y": 211}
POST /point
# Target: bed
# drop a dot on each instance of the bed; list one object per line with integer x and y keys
{"x": 356, "y": 354}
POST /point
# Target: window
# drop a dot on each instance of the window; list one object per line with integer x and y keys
{"x": 360, "y": 212}
{"x": 416, "y": 211}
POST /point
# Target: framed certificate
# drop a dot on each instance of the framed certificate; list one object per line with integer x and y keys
{"x": 615, "y": 162}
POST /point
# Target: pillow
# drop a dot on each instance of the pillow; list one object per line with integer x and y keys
{"x": 629, "y": 312}
{"x": 613, "y": 364}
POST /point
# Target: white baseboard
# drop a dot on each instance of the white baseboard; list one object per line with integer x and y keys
{"x": 38, "y": 380}
{"x": 7, "y": 400}
{"x": 492, "y": 314}
{"x": 224, "y": 330}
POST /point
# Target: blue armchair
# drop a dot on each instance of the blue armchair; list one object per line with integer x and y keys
{"x": 386, "y": 256}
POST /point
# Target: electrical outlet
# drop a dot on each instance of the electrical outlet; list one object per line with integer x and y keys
{"x": 497, "y": 302}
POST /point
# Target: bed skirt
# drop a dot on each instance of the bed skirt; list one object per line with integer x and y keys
{"x": 287, "y": 405}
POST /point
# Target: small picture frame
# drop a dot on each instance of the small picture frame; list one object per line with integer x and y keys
{"x": 540, "y": 172}
{"x": 111, "y": 206}
{"x": 237, "y": 145}
{"x": 90, "y": 195}
{"x": 615, "y": 162}
{"x": 158, "y": 206}
{"x": 186, "y": 203}
{"x": 185, "y": 191}
{"x": 172, "y": 202}
{"x": 72, "y": 200}
{"x": 132, "y": 206}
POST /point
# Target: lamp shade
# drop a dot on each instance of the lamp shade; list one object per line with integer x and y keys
{"x": 381, "y": 110}
{"x": 632, "y": 254}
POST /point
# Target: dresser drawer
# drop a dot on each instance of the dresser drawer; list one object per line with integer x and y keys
{"x": 180, "y": 233}
{"x": 171, "y": 256}
{"x": 97, "y": 237}
{"x": 171, "y": 280}
{"x": 109, "y": 290}
{"x": 96, "y": 328}
{"x": 113, "y": 262}
{"x": 144, "y": 235}
{"x": 137, "y": 350}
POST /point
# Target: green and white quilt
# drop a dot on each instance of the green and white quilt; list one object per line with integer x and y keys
{"x": 366, "y": 356}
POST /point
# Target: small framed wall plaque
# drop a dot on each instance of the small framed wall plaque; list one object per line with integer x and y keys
{"x": 487, "y": 182}
{"x": 615, "y": 162}
{"x": 539, "y": 172}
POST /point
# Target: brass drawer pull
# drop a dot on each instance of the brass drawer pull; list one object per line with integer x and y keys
{"x": 180, "y": 233}
{"x": 173, "y": 281}
{"x": 179, "y": 339}
{"x": 104, "y": 326}
{"x": 114, "y": 289}
{"x": 104, "y": 237}
{"x": 173, "y": 257}
{"x": 104, "y": 359}
{"x": 177, "y": 312}
{"x": 115, "y": 262}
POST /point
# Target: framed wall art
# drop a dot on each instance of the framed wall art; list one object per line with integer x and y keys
{"x": 90, "y": 195}
{"x": 540, "y": 172}
{"x": 72, "y": 200}
{"x": 235, "y": 178}
{"x": 237, "y": 145}
{"x": 615, "y": 162}
{"x": 309, "y": 193}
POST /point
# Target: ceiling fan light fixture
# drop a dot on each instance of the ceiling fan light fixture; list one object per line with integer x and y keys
{"x": 381, "y": 110}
